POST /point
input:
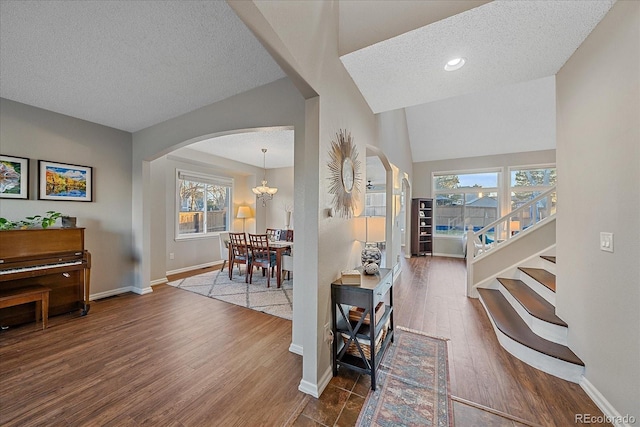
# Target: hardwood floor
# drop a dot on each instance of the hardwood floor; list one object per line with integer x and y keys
{"x": 178, "y": 359}
{"x": 168, "y": 358}
{"x": 430, "y": 297}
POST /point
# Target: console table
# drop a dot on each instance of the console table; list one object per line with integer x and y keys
{"x": 372, "y": 290}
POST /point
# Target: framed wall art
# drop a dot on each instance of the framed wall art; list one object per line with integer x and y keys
{"x": 14, "y": 177}
{"x": 60, "y": 181}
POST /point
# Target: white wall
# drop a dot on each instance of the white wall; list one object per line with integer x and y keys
{"x": 598, "y": 93}
{"x": 452, "y": 246}
{"x": 282, "y": 178}
{"x": 303, "y": 38}
{"x": 395, "y": 143}
{"x": 38, "y": 134}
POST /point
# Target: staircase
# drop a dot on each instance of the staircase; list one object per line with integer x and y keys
{"x": 513, "y": 275}
{"x": 521, "y": 309}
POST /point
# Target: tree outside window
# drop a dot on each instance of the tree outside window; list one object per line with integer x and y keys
{"x": 204, "y": 204}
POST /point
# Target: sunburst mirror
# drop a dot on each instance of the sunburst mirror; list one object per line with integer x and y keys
{"x": 344, "y": 179}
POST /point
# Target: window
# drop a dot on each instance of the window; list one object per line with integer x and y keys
{"x": 375, "y": 204}
{"x": 204, "y": 204}
{"x": 528, "y": 182}
{"x": 467, "y": 199}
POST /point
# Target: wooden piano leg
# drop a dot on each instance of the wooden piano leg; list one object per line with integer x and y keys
{"x": 87, "y": 280}
{"x": 45, "y": 309}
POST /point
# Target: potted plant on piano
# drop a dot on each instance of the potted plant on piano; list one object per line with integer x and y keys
{"x": 43, "y": 221}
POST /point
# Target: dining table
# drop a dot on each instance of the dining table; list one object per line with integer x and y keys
{"x": 279, "y": 247}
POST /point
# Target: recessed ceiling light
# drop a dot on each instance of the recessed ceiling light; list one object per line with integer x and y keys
{"x": 454, "y": 64}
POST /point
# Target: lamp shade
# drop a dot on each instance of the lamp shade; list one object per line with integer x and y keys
{"x": 376, "y": 229}
{"x": 370, "y": 228}
{"x": 244, "y": 212}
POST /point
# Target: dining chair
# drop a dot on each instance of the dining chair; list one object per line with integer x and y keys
{"x": 240, "y": 254}
{"x": 287, "y": 264}
{"x": 261, "y": 256}
{"x": 224, "y": 248}
{"x": 288, "y": 235}
{"x": 272, "y": 233}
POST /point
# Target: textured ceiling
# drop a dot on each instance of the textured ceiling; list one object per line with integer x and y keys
{"x": 132, "y": 64}
{"x": 503, "y": 42}
{"x": 127, "y": 64}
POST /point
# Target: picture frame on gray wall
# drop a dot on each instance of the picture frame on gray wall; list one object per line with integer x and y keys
{"x": 14, "y": 177}
{"x": 62, "y": 181}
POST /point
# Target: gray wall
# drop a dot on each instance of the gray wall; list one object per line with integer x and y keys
{"x": 598, "y": 93}
{"x": 37, "y": 134}
{"x": 421, "y": 184}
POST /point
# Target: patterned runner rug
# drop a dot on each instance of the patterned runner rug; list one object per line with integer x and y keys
{"x": 256, "y": 296}
{"x": 413, "y": 384}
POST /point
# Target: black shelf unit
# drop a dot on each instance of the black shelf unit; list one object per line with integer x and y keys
{"x": 422, "y": 227}
{"x": 372, "y": 290}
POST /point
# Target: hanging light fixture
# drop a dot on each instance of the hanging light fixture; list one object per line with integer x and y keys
{"x": 263, "y": 191}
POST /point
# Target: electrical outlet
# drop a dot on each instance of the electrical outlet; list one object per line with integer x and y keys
{"x": 606, "y": 241}
{"x": 171, "y": 255}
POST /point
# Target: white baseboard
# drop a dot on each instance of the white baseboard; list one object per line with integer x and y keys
{"x": 112, "y": 292}
{"x": 448, "y": 255}
{"x": 118, "y": 291}
{"x": 326, "y": 377}
{"x": 296, "y": 349}
{"x": 141, "y": 291}
{"x": 613, "y": 416}
{"x": 161, "y": 281}
{"x": 316, "y": 390}
{"x": 309, "y": 388}
{"x": 194, "y": 267}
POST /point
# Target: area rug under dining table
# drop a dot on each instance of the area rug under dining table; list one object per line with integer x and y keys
{"x": 256, "y": 296}
{"x": 412, "y": 384}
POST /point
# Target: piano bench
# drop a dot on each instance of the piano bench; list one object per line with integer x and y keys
{"x": 36, "y": 293}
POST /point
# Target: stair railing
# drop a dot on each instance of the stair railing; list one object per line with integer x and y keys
{"x": 511, "y": 225}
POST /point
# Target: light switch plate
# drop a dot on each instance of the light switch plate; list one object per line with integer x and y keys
{"x": 606, "y": 241}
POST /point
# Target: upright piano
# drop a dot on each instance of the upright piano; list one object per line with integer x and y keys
{"x": 51, "y": 257}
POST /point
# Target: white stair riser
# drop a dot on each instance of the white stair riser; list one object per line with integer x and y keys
{"x": 539, "y": 288}
{"x": 549, "y": 266}
{"x": 556, "y": 367}
{"x": 546, "y": 330}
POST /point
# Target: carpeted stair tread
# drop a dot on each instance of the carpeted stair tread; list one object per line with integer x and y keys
{"x": 531, "y": 301}
{"x": 542, "y": 276}
{"x": 549, "y": 258}
{"x": 507, "y": 320}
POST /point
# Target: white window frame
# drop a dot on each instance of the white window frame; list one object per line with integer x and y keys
{"x": 182, "y": 174}
{"x": 540, "y": 188}
{"x": 499, "y": 190}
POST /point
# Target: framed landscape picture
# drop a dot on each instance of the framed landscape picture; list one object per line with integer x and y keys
{"x": 14, "y": 177}
{"x": 60, "y": 181}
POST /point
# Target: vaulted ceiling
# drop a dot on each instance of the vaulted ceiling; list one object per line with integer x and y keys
{"x": 130, "y": 65}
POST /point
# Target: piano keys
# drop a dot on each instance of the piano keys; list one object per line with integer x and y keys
{"x": 51, "y": 257}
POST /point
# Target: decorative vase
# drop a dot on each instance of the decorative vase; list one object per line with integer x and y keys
{"x": 68, "y": 221}
{"x": 287, "y": 219}
{"x": 371, "y": 255}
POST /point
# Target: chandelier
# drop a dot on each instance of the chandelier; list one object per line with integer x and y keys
{"x": 263, "y": 191}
